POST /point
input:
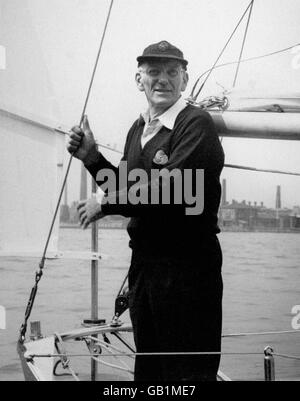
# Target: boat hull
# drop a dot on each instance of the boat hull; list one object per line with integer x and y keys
{"x": 39, "y": 369}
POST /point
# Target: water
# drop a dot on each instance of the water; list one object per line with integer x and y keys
{"x": 261, "y": 274}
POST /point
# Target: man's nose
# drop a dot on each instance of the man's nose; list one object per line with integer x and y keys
{"x": 163, "y": 78}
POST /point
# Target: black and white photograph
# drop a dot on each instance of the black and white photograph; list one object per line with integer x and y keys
{"x": 149, "y": 193}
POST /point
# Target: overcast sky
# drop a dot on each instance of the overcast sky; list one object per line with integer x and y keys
{"x": 57, "y": 42}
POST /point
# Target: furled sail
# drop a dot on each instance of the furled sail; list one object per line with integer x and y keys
{"x": 284, "y": 102}
{"x": 259, "y": 115}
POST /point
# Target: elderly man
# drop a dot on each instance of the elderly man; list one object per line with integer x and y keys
{"x": 175, "y": 278}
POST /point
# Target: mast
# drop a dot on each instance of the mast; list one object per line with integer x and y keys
{"x": 94, "y": 282}
{"x": 83, "y": 183}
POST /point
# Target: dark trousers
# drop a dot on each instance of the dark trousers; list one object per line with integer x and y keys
{"x": 176, "y": 306}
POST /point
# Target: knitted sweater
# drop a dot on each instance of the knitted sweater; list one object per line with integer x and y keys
{"x": 166, "y": 229}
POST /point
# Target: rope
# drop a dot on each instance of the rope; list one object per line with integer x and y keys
{"x": 97, "y": 61}
{"x": 123, "y": 341}
{"x": 220, "y": 55}
{"x": 62, "y": 131}
{"x": 123, "y": 285}
{"x": 226, "y": 165}
{"x": 72, "y": 373}
{"x": 55, "y": 370}
{"x": 260, "y": 170}
{"x": 124, "y": 367}
{"x": 262, "y": 333}
{"x": 39, "y": 274}
{"x": 111, "y": 365}
{"x": 105, "y": 345}
{"x": 146, "y": 354}
{"x": 243, "y": 44}
{"x": 296, "y": 358}
{"x": 80, "y": 124}
{"x": 241, "y": 61}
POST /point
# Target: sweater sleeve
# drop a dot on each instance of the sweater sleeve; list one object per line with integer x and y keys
{"x": 191, "y": 149}
{"x": 102, "y": 163}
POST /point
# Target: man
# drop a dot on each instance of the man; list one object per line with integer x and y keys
{"x": 175, "y": 278}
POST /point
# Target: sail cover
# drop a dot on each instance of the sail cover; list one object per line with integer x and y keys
{"x": 31, "y": 153}
{"x": 284, "y": 102}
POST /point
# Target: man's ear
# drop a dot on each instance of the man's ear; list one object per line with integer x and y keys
{"x": 185, "y": 81}
{"x": 138, "y": 80}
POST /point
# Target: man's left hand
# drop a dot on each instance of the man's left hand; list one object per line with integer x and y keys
{"x": 89, "y": 210}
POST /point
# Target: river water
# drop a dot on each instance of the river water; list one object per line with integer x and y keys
{"x": 261, "y": 273}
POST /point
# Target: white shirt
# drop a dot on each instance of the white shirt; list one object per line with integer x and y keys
{"x": 167, "y": 119}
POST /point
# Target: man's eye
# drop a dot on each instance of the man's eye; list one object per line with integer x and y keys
{"x": 153, "y": 72}
{"x": 173, "y": 73}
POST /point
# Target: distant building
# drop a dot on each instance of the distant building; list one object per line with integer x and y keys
{"x": 238, "y": 214}
{"x": 295, "y": 218}
{"x": 243, "y": 216}
{"x": 247, "y": 217}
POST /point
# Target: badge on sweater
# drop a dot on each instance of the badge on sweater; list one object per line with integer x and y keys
{"x": 160, "y": 157}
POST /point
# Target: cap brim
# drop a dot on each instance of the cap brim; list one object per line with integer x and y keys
{"x": 140, "y": 59}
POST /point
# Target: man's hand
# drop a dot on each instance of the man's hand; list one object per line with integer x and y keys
{"x": 89, "y": 210}
{"x": 82, "y": 144}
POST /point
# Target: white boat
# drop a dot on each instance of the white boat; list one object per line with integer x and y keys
{"x": 35, "y": 133}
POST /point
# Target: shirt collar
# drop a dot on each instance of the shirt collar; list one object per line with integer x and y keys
{"x": 168, "y": 118}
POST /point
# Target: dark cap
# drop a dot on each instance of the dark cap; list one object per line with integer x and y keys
{"x": 162, "y": 50}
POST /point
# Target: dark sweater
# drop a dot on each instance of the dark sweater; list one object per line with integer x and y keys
{"x": 161, "y": 229}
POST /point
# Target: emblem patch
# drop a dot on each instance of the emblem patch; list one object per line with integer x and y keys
{"x": 163, "y": 46}
{"x": 160, "y": 157}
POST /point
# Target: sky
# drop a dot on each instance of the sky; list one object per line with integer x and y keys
{"x": 51, "y": 48}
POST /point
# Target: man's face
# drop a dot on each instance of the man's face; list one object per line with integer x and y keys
{"x": 162, "y": 82}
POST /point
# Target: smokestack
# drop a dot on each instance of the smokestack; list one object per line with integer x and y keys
{"x": 224, "y": 200}
{"x": 278, "y": 198}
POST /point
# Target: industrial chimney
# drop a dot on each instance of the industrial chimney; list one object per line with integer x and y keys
{"x": 278, "y": 197}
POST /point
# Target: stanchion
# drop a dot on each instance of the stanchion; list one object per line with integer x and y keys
{"x": 269, "y": 364}
{"x": 94, "y": 320}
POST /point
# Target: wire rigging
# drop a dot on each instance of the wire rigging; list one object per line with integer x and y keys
{"x": 260, "y": 170}
{"x": 220, "y": 55}
{"x": 247, "y": 60}
{"x": 42, "y": 262}
{"x": 243, "y": 44}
